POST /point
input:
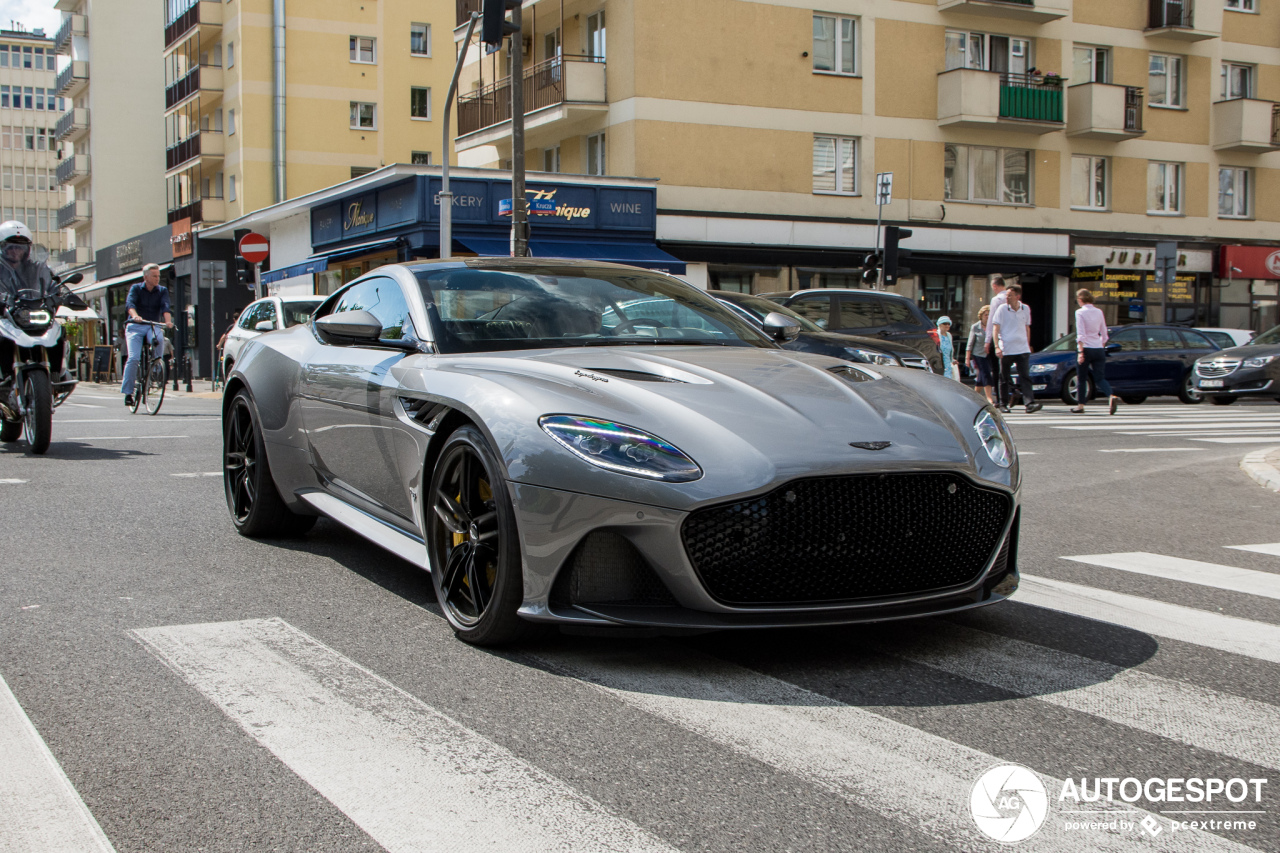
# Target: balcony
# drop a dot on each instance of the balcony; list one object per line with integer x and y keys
{"x": 1036, "y": 11}
{"x": 77, "y": 257}
{"x": 565, "y": 89}
{"x": 72, "y": 125}
{"x": 203, "y": 210}
{"x": 1247, "y": 125}
{"x": 205, "y": 15}
{"x": 73, "y": 79}
{"x": 73, "y": 26}
{"x": 1175, "y": 19}
{"x": 969, "y": 97}
{"x": 76, "y": 213}
{"x": 202, "y": 146}
{"x": 204, "y": 80}
{"x": 73, "y": 170}
{"x": 1104, "y": 111}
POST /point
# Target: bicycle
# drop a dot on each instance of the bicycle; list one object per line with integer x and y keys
{"x": 148, "y": 390}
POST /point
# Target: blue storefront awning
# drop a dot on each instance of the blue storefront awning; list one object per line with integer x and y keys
{"x": 645, "y": 255}
{"x": 305, "y": 268}
{"x": 486, "y": 247}
{"x": 337, "y": 253}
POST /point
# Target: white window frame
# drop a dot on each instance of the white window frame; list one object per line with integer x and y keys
{"x": 413, "y": 89}
{"x": 839, "y": 143}
{"x": 1095, "y": 51}
{"x": 1242, "y": 189}
{"x": 1172, "y": 200}
{"x": 1091, "y": 171}
{"x": 426, "y": 39}
{"x": 355, "y": 47}
{"x": 597, "y": 36}
{"x": 1251, "y": 74}
{"x": 601, "y": 164}
{"x": 1249, "y": 6}
{"x": 1178, "y": 90}
{"x": 1001, "y": 188}
{"x": 551, "y": 159}
{"x": 982, "y": 40}
{"x": 357, "y": 110}
{"x": 838, "y": 51}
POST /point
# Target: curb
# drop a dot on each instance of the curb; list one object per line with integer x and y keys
{"x": 1257, "y": 467}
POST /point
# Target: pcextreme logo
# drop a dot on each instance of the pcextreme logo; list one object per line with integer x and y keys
{"x": 1009, "y": 803}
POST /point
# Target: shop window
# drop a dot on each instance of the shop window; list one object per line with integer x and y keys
{"x": 733, "y": 282}
{"x": 842, "y": 279}
{"x": 835, "y": 44}
{"x": 835, "y": 164}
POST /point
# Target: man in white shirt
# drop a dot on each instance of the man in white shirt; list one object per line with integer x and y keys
{"x": 993, "y": 351}
{"x": 1011, "y": 327}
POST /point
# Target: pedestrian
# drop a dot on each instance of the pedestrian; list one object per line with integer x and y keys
{"x": 976, "y": 355}
{"x": 992, "y": 349}
{"x": 1091, "y": 352}
{"x": 947, "y": 346}
{"x": 1011, "y": 325}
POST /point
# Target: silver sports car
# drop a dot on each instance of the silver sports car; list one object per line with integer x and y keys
{"x": 591, "y": 444}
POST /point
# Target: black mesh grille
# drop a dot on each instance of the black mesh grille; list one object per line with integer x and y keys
{"x": 836, "y": 539}
{"x": 607, "y": 569}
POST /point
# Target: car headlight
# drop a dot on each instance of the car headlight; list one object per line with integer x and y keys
{"x": 995, "y": 438}
{"x": 621, "y": 448}
{"x": 1043, "y": 368}
{"x": 870, "y": 356}
{"x": 1259, "y": 361}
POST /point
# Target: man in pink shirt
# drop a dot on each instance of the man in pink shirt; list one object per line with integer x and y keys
{"x": 1091, "y": 352}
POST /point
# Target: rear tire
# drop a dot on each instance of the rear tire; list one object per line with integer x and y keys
{"x": 1223, "y": 400}
{"x": 1188, "y": 393}
{"x": 1134, "y": 401}
{"x": 1068, "y": 392}
{"x": 37, "y": 426}
{"x": 256, "y": 507}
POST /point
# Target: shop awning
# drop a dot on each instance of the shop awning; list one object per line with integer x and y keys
{"x": 645, "y": 255}
{"x": 486, "y": 247}
{"x": 103, "y": 284}
{"x": 307, "y": 267}
{"x": 337, "y": 253}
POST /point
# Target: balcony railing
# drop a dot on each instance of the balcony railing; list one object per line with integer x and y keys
{"x": 1030, "y": 97}
{"x": 1133, "y": 109}
{"x": 545, "y": 84}
{"x": 187, "y": 149}
{"x": 79, "y": 211}
{"x": 204, "y": 13}
{"x": 72, "y": 168}
{"x": 77, "y": 257}
{"x": 465, "y": 8}
{"x": 191, "y": 211}
{"x": 178, "y": 92}
{"x": 73, "y": 78}
{"x": 74, "y": 25}
{"x": 1171, "y": 13}
{"x": 71, "y": 124}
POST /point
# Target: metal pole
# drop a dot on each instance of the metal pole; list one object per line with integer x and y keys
{"x": 279, "y": 151}
{"x": 213, "y": 340}
{"x": 519, "y": 208}
{"x": 446, "y": 195}
{"x": 257, "y": 280}
{"x": 879, "y": 215}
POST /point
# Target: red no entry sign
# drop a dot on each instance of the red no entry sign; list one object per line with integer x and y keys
{"x": 254, "y": 248}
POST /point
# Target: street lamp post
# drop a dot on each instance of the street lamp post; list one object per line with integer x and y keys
{"x": 446, "y": 195}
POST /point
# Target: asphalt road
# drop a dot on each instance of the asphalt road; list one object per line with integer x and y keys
{"x": 202, "y": 691}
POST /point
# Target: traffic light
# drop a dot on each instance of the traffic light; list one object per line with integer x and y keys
{"x": 494, "y": 26}
{"x": 893, "y": 256}
{"x": 871, "y": 268}
{"x": 244, "y": 273}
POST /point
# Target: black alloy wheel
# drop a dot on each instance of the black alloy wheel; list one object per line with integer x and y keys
{"x": 472, "y": 544}
{"x": 1188, "y": 393}
{"x": 155, "y": 386}
{"x": 37, "y": 421}
{"x": 1223, "y": 399}
{"x": 256, "y": 507}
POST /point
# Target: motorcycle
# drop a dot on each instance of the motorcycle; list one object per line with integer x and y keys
{"x": 28, "y": 312}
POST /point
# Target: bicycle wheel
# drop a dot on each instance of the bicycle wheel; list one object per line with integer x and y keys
{"x": 154, "y": 394}
{"x": 140, "y": 384}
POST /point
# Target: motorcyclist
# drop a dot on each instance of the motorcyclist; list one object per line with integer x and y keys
{"x": 19, "y": 272}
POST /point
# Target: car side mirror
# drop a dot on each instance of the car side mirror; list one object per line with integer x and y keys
{"x": 270, "y": 326}
{"x": 1110, "y": 348}
{"x": 356, "y": 325}
{"x": 780, "y": 327}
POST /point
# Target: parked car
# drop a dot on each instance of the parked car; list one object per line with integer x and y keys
{"x": 1142, "y": 361}
{"x": 1252, "y": 370}
{"x": 266, "y": 315}
{"x": 813, "y": 339}
{"x": 870, "y": 313}
{"x": 1227, "y": 338}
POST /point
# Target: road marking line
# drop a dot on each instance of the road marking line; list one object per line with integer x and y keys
{"x": 1274, "y": 433}
{"x": 1174, "y": 428}
{"x": 1152, "y": 450}
{"x": 1272, "y": 548}
{"x": 1192, "y": 715}
{"x": 1171, "y": 621}
{"x": 58, "y": 420}
{"x": 1242, "y": 440}
{"x": 1230, "y": 578}
{"x": 39, "y": 807}
{"x": 412, "y": 778}
{"x": 87, "y": 405}
{"x": 119, "y": 437}
{"x": 903, "y": 773}
{"x": 12, "y": 482}
{"x": 199, "y": 474}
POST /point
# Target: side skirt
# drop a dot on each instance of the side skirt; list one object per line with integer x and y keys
{"x": 402, "y": 544}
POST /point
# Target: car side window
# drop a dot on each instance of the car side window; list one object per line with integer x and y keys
{"x": 249, "y": 318}
{"x": 859, "y": 313}
{"x": 383, "y": 298}
{"x": 898, "y": 311}
{"x": 814, "y": 308}
{"x": 1201, "y": 340}
{"x": 1130, "y": 340}
{"x": 1162, "y": 339}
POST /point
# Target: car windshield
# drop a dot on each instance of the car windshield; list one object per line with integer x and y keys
{"x": 1062, "y": 344}
{"x": 759, "y": 307}
{"x": 297, "y": 313}
{"x": 486, "y": 310}
{"x": 1270, "y": 336}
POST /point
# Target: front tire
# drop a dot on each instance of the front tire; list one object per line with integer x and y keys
{"x": 155, "y": 386}
{"x": 1223, "y": 399}
{"x": 473, "y": 547}
{"x": 1068, "y": 392}
{"x": 256, "y": 507}
{"x": 37, "y": 423}
{"x": 1188, "y": 392}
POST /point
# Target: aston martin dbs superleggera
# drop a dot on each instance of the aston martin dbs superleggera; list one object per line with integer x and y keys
{"x": 586, "y": 443}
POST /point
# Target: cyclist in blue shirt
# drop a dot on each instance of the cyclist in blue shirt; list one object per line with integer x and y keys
{"x": 148, "y": 300}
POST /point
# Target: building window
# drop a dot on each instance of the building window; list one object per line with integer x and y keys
{"x": 1089, "y": 183}
{"x": 1241, "y": 5}
{"x": 1237, "y": 81}
{"x": 362, "y": 50}
{"x": 4, "y": 56}
{"x": 834, "y": 40}
{"x": 987, "y": 52}
{"x": 595, "y": 36}
{"x": 551, "y": 159}
{"x": 231, "y": 122}
{"x": 231, "y": 54}
{"x": 1164, "y": 188}
{"x": 231, "y": 189}
{"x": 360, "y": 171}
{"x": 420, "y": 102}
{"x": 420, "y": 158}
{"x": 420, "y": 39}
{"x": 1234, "y": 197}
{"x": 733, "y": 282}
{"x": 835, "y": 164}
{"x": 1164, "y": 81}
{"x": 363, "y": 116}
{"x": 596, "y": 154}
{"x": 987, "y": 175}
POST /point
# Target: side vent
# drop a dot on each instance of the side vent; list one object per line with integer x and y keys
{"x": 606, "y": 569}
{"x": 635, "y": 375}
{"x": 425, "y": 412}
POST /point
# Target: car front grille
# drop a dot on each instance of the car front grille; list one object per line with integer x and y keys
{"x": 1217, "y": 367}
{"x": 834, "y": 539}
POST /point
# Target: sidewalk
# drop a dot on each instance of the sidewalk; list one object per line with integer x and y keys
{"x": 1264, "y": 467}
{"x": 199, "y": 389}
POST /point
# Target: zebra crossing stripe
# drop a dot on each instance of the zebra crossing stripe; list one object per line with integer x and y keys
{"x": 40, "y": 810}
{"x": 896, "y": 770}
{"x": 1171, "y": 621}
{"x": 1189, "y": 714}
{"x": 410, "y": 777}
{"x": 1272, "y": 548}
{"x": 1264, "y": 584}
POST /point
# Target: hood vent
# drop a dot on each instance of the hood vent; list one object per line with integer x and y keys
{"x": 634, "y": 375}
{"x": 854, "y": 374}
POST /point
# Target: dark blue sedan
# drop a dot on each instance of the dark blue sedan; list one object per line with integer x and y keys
{"x": 1142, "y": 361}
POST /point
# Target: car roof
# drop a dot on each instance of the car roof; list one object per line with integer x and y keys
{"x": 1223, "y": 329}
{"x": 854, "y": 290}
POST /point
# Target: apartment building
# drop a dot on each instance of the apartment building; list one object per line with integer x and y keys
{"x": 29, "y": 110}
{"x": 1056, "y": 141}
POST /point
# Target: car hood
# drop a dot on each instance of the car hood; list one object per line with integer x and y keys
{"x": 749, "y": 417}
{"x": 1247, "y": 351}
{"x": 841, "y": 340}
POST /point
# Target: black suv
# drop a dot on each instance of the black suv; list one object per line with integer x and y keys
{"x": 871, "y": 313}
